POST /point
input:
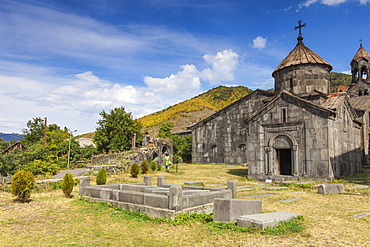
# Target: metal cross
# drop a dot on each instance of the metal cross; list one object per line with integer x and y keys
{"x": 300, "y": 27}
{"x": 360, "y": 42}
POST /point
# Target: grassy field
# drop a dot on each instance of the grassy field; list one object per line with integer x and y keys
{"x": 50, "y": 219}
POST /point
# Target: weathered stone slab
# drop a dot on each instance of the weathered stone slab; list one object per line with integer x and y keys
{"x": 330, "y": 188}
{"x": 290, "y": 200}
{"x": 194, "y": 183}
{"x": 263, "y": 195}
{"x": 231, "y": 185}
{"x": 228, "y": 210}
{"x": 360, "y": 215}
{"x": 262, "y": 221}
{"x": 360, "y": 186}
{"x": 245, "y": 189}
{"x": 305, "y": 183}
{"x": 277, "y": 188}
{"x": 287, "y": 182}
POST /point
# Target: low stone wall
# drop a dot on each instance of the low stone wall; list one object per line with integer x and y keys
{"x": 108, "y": 168}
{"x": 5, "y": 180}
{"x": 165, "y": 201}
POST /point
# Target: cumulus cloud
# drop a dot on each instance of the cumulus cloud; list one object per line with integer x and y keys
{"x": 185, "y": 82}
{"x": 223, "y": 65}
{"x": 259, "y": 42}
{"x": 188, "y": 80}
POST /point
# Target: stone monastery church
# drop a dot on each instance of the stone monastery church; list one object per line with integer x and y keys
{"x": 300, "y": 131}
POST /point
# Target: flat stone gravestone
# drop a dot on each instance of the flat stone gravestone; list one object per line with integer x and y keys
{"x": 259, "y": 195}
{"x": 360, "y": 186}
{"x": 244, "y": 189}
{"x": 195, "y": 183}
{"x": 359, "y": 215}
{"x": 228, "y": 210}
{"x": 304, "y": 183}
{"x": 330, "y": 188}
{"x": 290, "y": 200}
{"x": 287, "y": 182}
{"x": 277, "y": 188}
{"x": 262, "y": 221}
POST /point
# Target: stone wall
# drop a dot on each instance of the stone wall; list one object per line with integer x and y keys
{"x": 221, "y": 138}
{"x": 152, "y": 149}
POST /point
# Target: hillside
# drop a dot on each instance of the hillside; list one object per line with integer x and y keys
{"x": 193, "y": 110}
{"x": 10, "y": 137}
{"x": 338, "y": 79}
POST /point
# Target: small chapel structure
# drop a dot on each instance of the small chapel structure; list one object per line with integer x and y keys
{"x": 300, "y": 131}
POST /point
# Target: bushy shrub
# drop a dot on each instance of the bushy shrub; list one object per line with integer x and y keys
{"x": 153, "y": 165}
{"x": 134, "y": 170}
{"x": 41, "y": 167}
{"x": 67, "y": 184}
{"x": 101, "y": 178}
{"x": 159, "y": 167}
{"x": 22, "y": 184}
{"x": 144, "y": 167}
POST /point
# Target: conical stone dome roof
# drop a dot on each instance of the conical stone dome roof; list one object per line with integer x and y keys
{"x": 301, "y": 54}
{"x": 361, "y": 53}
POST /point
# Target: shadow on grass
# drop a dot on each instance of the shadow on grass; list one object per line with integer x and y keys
{"x": 239, "y": 172}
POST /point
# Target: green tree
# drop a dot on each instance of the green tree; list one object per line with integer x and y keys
{"x": 144, "y": 167}
{"x": 165, "y": 130}
{"x": 153, "y": 165}
{"x": 22, "y": 184}
{"x": 67, "y": 184}
{"x": 34, "y": 131}
{"x": 115, "y": 130}
{"x": 134, "y": 170}
{"x": 101, "y": 177}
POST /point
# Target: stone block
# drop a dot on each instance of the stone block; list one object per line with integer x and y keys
{"x": 148, "y": 180}
{"x": 228, "y": 210}
{"x": 175, "y": 198}
{"x": 156, "y": 200}
{"x": 231, "y": 185}
{"x": 131, "y": 197}
{"x": 161, "y": 181}
{"x": 262, "y": 221}
{"x": 330, "y": 188}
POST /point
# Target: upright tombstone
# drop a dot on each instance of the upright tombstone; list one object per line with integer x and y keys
{"x": 175, "y": 199}
{"x": 231, "y": 185}
{"x": 161, "y": 181}
{"x": 84, "y": 182}
{"x": 148, "y": 180}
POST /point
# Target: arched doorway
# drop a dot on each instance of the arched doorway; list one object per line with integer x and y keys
{"x": 284, "y": 156}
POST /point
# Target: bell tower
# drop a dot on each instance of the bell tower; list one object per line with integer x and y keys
{"x": 360, "y": 65}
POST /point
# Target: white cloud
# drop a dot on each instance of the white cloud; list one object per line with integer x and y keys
{"x": 259, "y": 42}
{"x": 185, "y": 82}
{"x": 308, "y": 3}
{"x": 223, "y": 65}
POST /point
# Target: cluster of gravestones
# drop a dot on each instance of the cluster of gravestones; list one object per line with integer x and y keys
{"x": 248, "y": 212}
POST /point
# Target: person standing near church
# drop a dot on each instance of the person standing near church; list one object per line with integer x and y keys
{"x": 167, "y": 161}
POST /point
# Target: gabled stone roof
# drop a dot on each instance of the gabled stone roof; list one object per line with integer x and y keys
{"x": 220, "y": 112}
{"x": 301, "y": 54}
{"x": 361, "y": 102}
{"x": 287, "y": 95}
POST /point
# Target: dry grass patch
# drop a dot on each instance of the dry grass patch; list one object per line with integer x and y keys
{"x": 50, "y": 219}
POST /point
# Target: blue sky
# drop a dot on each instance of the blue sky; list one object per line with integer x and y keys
{"x": 69, "y": 60}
